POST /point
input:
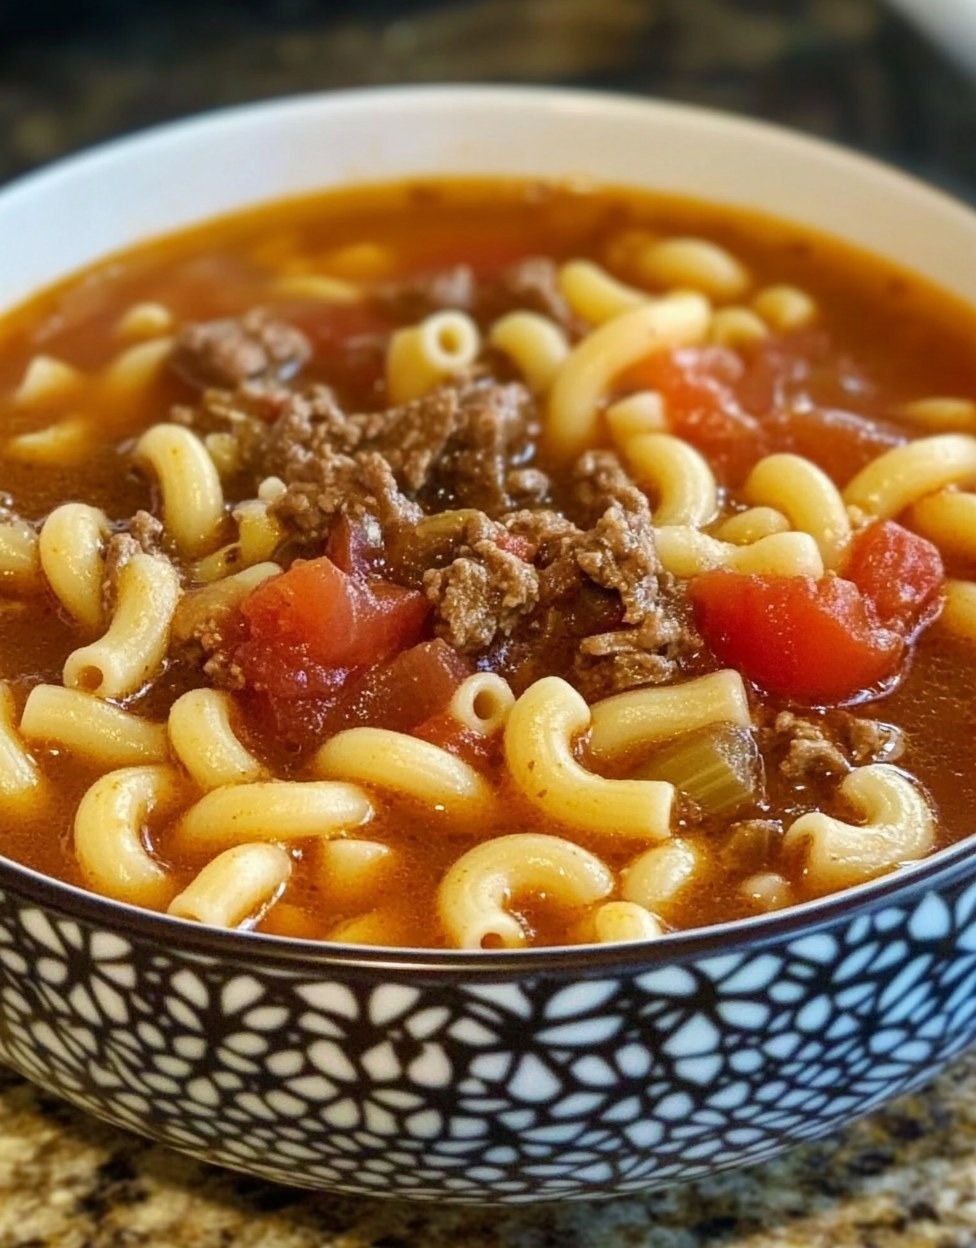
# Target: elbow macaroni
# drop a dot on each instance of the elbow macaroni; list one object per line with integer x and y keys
{"x": 393, "y": 760}
{"x": 685, "y": 551}
{"x": 679, "y": 476}
{"x": 594, "y": 295}
{"x": 21, "y": 785}
{"x": 898, "y": 827}
{"x": 109, "y": 840}
{"x": 235, "y": 886}
{"x": 536, "y": 345}
{"x": 193, "y": 498}
{"x": 122, "y": 660}
{"x": 475, "y": 894}
{"x": 71, "y": 550}
{"x": 584, "y": 380}
{"x": 907, "y": 473}
{"x": 203, "y": 740}
{"x": 19, "y": 555}
{"x": 806, "y": 495}
{"x": 539, "y": 737}
{"x": 642, "y": 716}
{"x": 272, "y": 810}
{"x": 420, "y": 358}
{"x": 91, "y": 728}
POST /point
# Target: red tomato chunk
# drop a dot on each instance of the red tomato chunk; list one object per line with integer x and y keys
{"x": 334, "y": 619}
{"x": 815, "y": 641}
{"x": 898, "y": 572}
{"x": 310, "y": 630}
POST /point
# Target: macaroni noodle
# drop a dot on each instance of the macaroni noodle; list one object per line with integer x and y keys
{"x": 393, "y": 760}
{"x": 898, "y": 827}
{"x": 204, "y": 740}
{"x": 474, "y": 895}
{"x": 584, "y": 380}
{"x": 122, "y": 660}
{"x": 536, "y": 345}
{"x": 539, "y": 738}
{"x": 236, "y": 885}
{"x": 193, "y": 498}
{"x": 109, "y": 841}
{"x": 71, "y": 550}
{"x": 641, "y": 716}
{"x": 91, "y": 728}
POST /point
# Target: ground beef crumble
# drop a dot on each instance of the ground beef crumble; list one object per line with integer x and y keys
{"x": 449, "y": 489}
{"x": 480, "y": 595}
{"x": 811, "y": 748}
{"x": 413, "y": 298}
{"x": 452, "y": 448}
{"x": 598, "y": 481}
{"x": 618, "y": 554}
{"x": 530, "y": 284}
{"x": 227, "y": 353}
{"x": 143, "y": 534}
{"x": 651, "y": 654}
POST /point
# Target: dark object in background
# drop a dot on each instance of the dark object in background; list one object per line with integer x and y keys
{"x": 73, "y": 72}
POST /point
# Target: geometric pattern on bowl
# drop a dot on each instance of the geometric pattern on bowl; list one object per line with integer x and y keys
{"x": 569, "y": 1083}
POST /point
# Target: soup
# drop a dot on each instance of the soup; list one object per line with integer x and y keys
{"x": 486, "y": 564}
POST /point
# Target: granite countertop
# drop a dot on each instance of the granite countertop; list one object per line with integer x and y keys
{"x": 75, "y": 71}
{"x": 903, "y": 1178}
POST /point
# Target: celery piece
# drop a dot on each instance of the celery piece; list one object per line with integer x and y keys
{"x": 719, "y": 767}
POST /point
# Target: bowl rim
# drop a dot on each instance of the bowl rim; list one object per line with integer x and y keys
{"x": 944, "y": 867}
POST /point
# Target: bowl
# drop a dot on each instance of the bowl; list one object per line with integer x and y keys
{"x": 470, "y": 1077}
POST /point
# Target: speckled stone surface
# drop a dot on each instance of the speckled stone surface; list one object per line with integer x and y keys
{"x": 905, "y": 1178}
{"x": 75, "y": 71}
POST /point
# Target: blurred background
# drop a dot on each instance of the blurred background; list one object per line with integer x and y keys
{"x": 73, "y": 72}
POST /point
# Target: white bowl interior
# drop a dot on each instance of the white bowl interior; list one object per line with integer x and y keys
{"x": 67, "y": 217}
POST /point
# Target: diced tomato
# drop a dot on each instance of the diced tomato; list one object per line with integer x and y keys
{"x": 309, "y": 632}
{"x": 838, "y": 441}
{"x": 286, "y": 700}
{"x": 898, "y": 572}
{"x": 812, "y": 640}
{"x": 698, "y": 385}
{"x": 784, "y": 366}
{"x": 444, "y": 730}
{"x": 411, "y": 687}
{"x": 335, "y": 619}
{"x": 350, "y": 548}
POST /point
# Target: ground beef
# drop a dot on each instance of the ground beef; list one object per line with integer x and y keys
{"x": 494, "y": 433}
{"x": 548, "y": 533}
{"x": 308, "y": 425}
{"x": 618, "y": 554}
{"x": 142, "y": 536}
{"x": 482, "y": 594}
{"x": 360, "y": 486}
{"x": 531, "y": 284}
{"x": 627, "y": 658}
{"x": 414, "y": 437}
{"x": 814, "y": 748}
{"x": 810, "y": 751}
{"x": 411, "y": 299}
{"x": 147, "y": 531}
{"x": 227, "y": 353}
{"x": 871, "y": 741}
{"x": 451, "y": 449}
{"x": 598, "y": 481}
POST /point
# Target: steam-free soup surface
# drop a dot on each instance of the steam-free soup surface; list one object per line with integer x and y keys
{"x": 270, "y": 337}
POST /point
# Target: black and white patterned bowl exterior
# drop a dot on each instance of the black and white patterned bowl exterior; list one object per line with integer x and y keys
{"x": 502, "y": 1077}
{"x": 505, "y": 1078}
